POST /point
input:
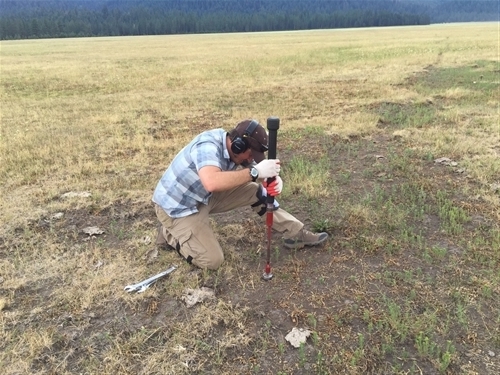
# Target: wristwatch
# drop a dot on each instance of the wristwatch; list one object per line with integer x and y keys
{"x": 254, "y": 173}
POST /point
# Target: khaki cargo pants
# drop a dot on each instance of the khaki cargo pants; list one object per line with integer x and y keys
{"x": 193, "y": 236}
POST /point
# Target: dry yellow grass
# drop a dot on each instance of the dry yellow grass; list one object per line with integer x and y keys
{"x": 106, "y": 115}
{"x": 72, "y": 107}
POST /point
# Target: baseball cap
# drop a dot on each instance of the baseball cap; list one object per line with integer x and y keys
{"x": 257, "y": 140}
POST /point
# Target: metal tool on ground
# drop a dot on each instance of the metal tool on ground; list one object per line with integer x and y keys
{"x": 143, "y": 285}
{"x": 273, "y": 124}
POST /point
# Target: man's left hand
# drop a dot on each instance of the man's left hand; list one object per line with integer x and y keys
{"x": 274, "y": 188}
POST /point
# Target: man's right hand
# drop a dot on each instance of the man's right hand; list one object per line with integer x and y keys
{"x": 273, "y": 188}
{"x": 268, "y": 168}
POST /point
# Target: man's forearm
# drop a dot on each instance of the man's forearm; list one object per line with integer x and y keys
{"x": 215, "y": 180}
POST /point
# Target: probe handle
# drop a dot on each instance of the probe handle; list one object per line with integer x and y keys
{"x": 273, "y": 124}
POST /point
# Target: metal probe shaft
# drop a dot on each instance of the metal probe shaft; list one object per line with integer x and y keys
{"x": 273, "y": 124}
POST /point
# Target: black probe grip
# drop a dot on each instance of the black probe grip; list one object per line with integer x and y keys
{"x": 273, "y": 124}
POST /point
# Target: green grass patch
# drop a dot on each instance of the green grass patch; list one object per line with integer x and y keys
{"x": 407, "y": 115}
{"x": 481, "y": 78}
{"x": 452, "y": 217}
{"x": 306, "y": 177}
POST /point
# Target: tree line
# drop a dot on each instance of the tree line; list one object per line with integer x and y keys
{"x": 23, "y": 19}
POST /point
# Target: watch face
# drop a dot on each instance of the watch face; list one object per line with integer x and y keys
{"x": 254, "y": 172}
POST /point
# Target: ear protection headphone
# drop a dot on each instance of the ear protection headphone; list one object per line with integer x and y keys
{"x": 240, "y": 144}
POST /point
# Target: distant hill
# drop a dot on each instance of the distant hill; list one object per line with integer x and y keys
{"x": 21, "y": 19}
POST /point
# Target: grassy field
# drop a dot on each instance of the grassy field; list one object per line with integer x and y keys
{"x": 409, "y": 282}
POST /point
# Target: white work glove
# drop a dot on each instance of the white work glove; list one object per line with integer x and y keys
{"x": 268, "y": 168}
{"x": 273, "y": 188}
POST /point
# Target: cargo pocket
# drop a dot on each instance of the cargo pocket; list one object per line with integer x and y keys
{"x": 198, "y": 244}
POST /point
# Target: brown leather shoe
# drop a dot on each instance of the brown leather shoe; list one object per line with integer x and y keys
{"x": 306, "y": 238}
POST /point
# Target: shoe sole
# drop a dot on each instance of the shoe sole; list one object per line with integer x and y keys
{"x": 301, "y": 245}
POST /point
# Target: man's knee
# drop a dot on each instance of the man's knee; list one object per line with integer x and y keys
{"x": 212, "y": 263}
{"x": 216, "y": 262}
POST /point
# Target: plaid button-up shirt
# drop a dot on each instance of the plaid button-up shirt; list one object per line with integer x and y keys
{"x": 180, "y": 191}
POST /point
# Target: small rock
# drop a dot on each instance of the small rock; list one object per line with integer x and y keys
{"x": 92, "y": 231}
{"x": 57, "y": 216}
{"x": 444, "y": 161}
{"x": 491, "y": 353}
{"x": 194, "y": 296}
{"x": 73, "y": 194}
{"x": 179, "y": 349}
{"x": 297, "y": 336}
{"x": 151, "y": 255}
